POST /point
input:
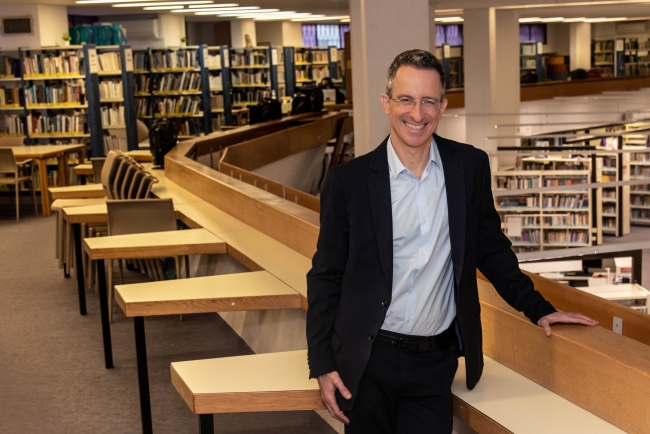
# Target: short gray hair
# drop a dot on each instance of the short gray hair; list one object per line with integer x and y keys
{"x": 419, "y": 59}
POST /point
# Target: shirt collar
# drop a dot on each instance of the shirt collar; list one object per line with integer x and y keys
{"x": 395, "y": 165}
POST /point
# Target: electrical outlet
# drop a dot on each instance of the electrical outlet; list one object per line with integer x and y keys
{"x": 618, "y": 325}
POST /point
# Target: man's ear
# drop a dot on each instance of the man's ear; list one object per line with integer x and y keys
{"x": 385, "y": 103}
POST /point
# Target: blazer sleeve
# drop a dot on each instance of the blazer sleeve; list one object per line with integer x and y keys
{"x": 498, "y": 262}
{"x": 325, "y": 279}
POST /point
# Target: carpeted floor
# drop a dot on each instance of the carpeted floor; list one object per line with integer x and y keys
{"x": 52, "y": 376}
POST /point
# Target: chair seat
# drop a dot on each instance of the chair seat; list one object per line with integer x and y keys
{"x": 12, "y": 180}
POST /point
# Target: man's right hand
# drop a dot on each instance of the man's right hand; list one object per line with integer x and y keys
{"x": 328, "y": 384}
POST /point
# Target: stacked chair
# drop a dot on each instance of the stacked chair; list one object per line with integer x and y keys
{"x": 13, "y": 174}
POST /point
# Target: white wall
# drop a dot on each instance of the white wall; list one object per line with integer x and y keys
{"x": 580, "y": 46}
{"x": 49, "y": 23}
{"x": 238, "y": 31}
{"x": 557, "y": 39}
{"x": 291, "y": 34}
{"x": 200, "y": 33}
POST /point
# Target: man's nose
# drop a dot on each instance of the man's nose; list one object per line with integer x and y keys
{"x": 416, "y": 111}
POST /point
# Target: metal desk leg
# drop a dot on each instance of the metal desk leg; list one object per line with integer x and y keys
{"x": 79, "y": 268}
{"x": 103, "y": 307}
{"x": 143, "y": 375}
{"x": 206, "y": 424}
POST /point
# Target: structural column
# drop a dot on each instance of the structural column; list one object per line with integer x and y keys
{"x": 238, "y": 31}
{"x": 580, "y": 46}
{"x": 432, "y": 29}
{"x": 380, "y": 30}
{"x": 492, "y": 89}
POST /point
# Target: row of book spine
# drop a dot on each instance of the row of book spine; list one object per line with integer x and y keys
{"x": 216, "y": 82}
{"x": 9, "y": 66}
{"x": 141, "y": 61}
{"x": 49, "y": 64}
{"x": 518, "y": 202}
{"x": 190, "y": 127}
{"x": 141, "y": 84}
{"x": 65, "y": 93}
{"x": 109, "y": 61}
{"x": 250, "y": 96}
{"x": 248, "y": 58}
{"x": 581, "y": 219}
{"x": 112, "y": 116}
{"x": 640, "y": 200}
{"x": 554, "y": 182}
{"x": 214, "y": 60}
{"x": 9, "y": 97}
{"x": 175, "y": 59}
{"x": 11, "y": 125}
{"x": 114, "y": 143}
{"x": 563, "y": 237}
{"x": 242, "y": 77}
{"x": 216, "y": 102}
{"x": 184, "y": 82}
{"x": 61, "y": 123}
{"x": 142, "y": 107}
{"x": 111, "y": 89}
{"x": 513, "y": 183}
{"x": 528, "y": 236}
{"x": 578, "y": 201}
{"x": 177, "y": 106}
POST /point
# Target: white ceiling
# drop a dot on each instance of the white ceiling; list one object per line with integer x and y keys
{"x": 621, "y": 8}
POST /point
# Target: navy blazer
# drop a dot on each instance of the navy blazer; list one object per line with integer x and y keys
{"x": 349, "y": 287}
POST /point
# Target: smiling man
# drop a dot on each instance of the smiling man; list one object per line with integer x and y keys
{"x": 393, "y": 298}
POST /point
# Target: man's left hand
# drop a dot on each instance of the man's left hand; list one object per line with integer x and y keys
{"x": 565, "y": 318}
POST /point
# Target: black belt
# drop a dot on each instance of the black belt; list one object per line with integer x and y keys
{"x": 415, "y": 344}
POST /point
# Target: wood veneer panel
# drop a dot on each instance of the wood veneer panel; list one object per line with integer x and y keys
{"x": 476, "y": 420}
{"x": 605, "y": 373}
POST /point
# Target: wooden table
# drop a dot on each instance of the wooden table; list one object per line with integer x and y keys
{"x": 224, "y": 293}
{"x": 506, "y": 401}
{"x": 141, "y": 155}
{"x": 41, "y": 154}
{"x": 138, "y": 246}
{"x": 91, "y": 191}
{"x": 624, "y": 291}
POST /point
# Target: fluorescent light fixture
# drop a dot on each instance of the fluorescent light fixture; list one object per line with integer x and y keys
{"x": 340, "y": 17}
{"x": 218, "y": 10}
{"x": 449, "y": 19}
{"x": 153, "y": 4}
{"x": 345, "y": 20}
{"x": 552, "y": 20}
{"x": 91, "y": 2}
{"x": 530, "y": 20}
{"x": 603, "y": 20}
{"x": 449, "y": 11}
{"x": 223, "y": 5}
{"x": 581, "y": 4}
{"x": 237, "y": 13}
{"x": 574, "y": 20}
{"x": 155, "y": 8}
{"x": 279, "y": 16}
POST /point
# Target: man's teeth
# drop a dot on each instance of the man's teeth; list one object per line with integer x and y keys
{"x": 414, "y": 127}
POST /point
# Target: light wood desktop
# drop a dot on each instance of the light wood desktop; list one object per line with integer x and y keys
{"x": 85, "y": 169}
{"x": 280, "y": 382}
{"x": 40, "y": 154}
{"x": 624, "y": 291}
{"x": 148, "y": 245}
{"x": 223, "y": 293}
{"x": 90, "y": 191}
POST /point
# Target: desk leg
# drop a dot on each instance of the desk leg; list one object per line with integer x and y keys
{"x": 143, "y": 375}
{"x": 206, "y": 424}
{"x": 42, "y": 173}
{"x": 65, "y": 168}
{"x": 103, "y": 307}
{"x": 79, "y": 267}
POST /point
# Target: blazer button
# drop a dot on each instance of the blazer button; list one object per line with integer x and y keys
{"x": 384, "y": 303}
{"x": 371, "y": 336}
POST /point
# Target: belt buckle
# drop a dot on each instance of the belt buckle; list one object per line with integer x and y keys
{"x": 402, "y": 345}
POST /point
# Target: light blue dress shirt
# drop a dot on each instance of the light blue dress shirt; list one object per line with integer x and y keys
{"x": 423, "y": 279}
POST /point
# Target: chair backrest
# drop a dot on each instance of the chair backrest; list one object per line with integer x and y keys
{"x": 98, "y": 165}
{"x": 140, "y": 216}
{"x": 109, "y": 172}
{"x": 128, "y": 181}
{"x": 7, "y": 161}
{"x": 145, "y": 186}
{"x": 116, "y": 187}
{"x": 10, "y": 142}
{"x": 136, "y": 182}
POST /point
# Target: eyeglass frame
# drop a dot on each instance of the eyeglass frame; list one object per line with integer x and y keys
{"x": 412, "y": 102}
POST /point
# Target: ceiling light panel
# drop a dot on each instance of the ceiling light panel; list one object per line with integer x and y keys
{"x": 227, "y": 5}
{"x": 161, "y": 8}
{"x": 155, "y": 4}
{"x": 341, "y": 17}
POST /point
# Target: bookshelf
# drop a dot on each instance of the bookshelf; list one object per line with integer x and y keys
{"x": 640, "y": 169}
{"x": 218, "y": 66}
{"x": 250, "y": 75}
{"x": 12, "y": 112}
{"x": 637, "y": 56}
{"x": 615, "y": 201}
{"x": 549, "y": 219}
{"x": 312, "y": 64}
{"x": 608, "y": 57}
{"x": 452, "y": 62}
{"x": 281, "y": 73}
{"x": 54, "y": 88}
{"x": 531, "y": 59}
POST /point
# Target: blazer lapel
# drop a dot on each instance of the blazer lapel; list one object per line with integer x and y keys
{"x": 456, "y": 208}
{"x": 382, "y": 214}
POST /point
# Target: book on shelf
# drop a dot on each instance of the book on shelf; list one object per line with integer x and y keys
{"x": 318, "y": 74}
{"x": 38, "y": 123}
{"x": 112, "y": 116}
{"x": 216, "y": 102}
{"x": 640, "y": 172}
{"x": 516, "y": 183}
{"x": 319, "y": 56}
{"x": 140, "y": 61}
{"x": 183, "y": 82}
{"x": 9, "y": 97}
{"x": 49, "y": 64}
{"x": 527, "y": 236}
{"x": 110, "y": 89}
{"x": 240, "y": 97}
{"x": 190, "y": 127}
{"x": 214, "y": 60}
{"x": 217, "y": 122}
{"x": 185, "y": 105}
{"x": 242, "y": 78}
{"x": 9, "y": 67}
{"x": 528, "y": 49}
{"x": 518, "y": 202}
{"x": 640, "y": 200}
{"x": 216, "y": 82}
{"x": 248, "y": 57}
{"x": 553, "y": 182}
{"x": 578, "y": 201}
{"x": 109, "y": 61}
{"x": 142, "y": 107}
{"x": 62, "y": 93}
{"x": 175, "y": 59}
{"x": 11, "y": 125}
{"x": 529, "y": 63}
{"x": 600, "y": 46}
{"x": 114, "y": 143}
{"x": 141, "y": 84}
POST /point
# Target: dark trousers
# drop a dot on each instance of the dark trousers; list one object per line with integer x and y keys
{"x": 404, "y": 393}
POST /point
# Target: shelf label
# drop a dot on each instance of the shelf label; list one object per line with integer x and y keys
{"x": 274, "y": 56}
{"x": 334, "y": 55}
{"x": 93, "y": 61}
{"x": 205, "y": 56}
{"x": 128, "y": 60}
{"x": 513, "y": 226}
{"x": 226, "y": 58}
{"x": 620, "y": 45}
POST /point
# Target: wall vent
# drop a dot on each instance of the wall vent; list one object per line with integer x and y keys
{"x": 17, "y": 26}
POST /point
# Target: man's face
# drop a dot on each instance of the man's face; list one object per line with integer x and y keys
{"x": 413, "y": 124}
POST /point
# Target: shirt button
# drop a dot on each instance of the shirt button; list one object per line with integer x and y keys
{"x": 371, "y": 336}
{"x": 384, "y": 303}
{"x": 424, "y": 220}
{"x": 408, "y": 320}
{"x": 422, "y": 253}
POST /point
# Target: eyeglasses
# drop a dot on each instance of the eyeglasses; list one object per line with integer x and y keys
{"x": 427, "y": 103}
